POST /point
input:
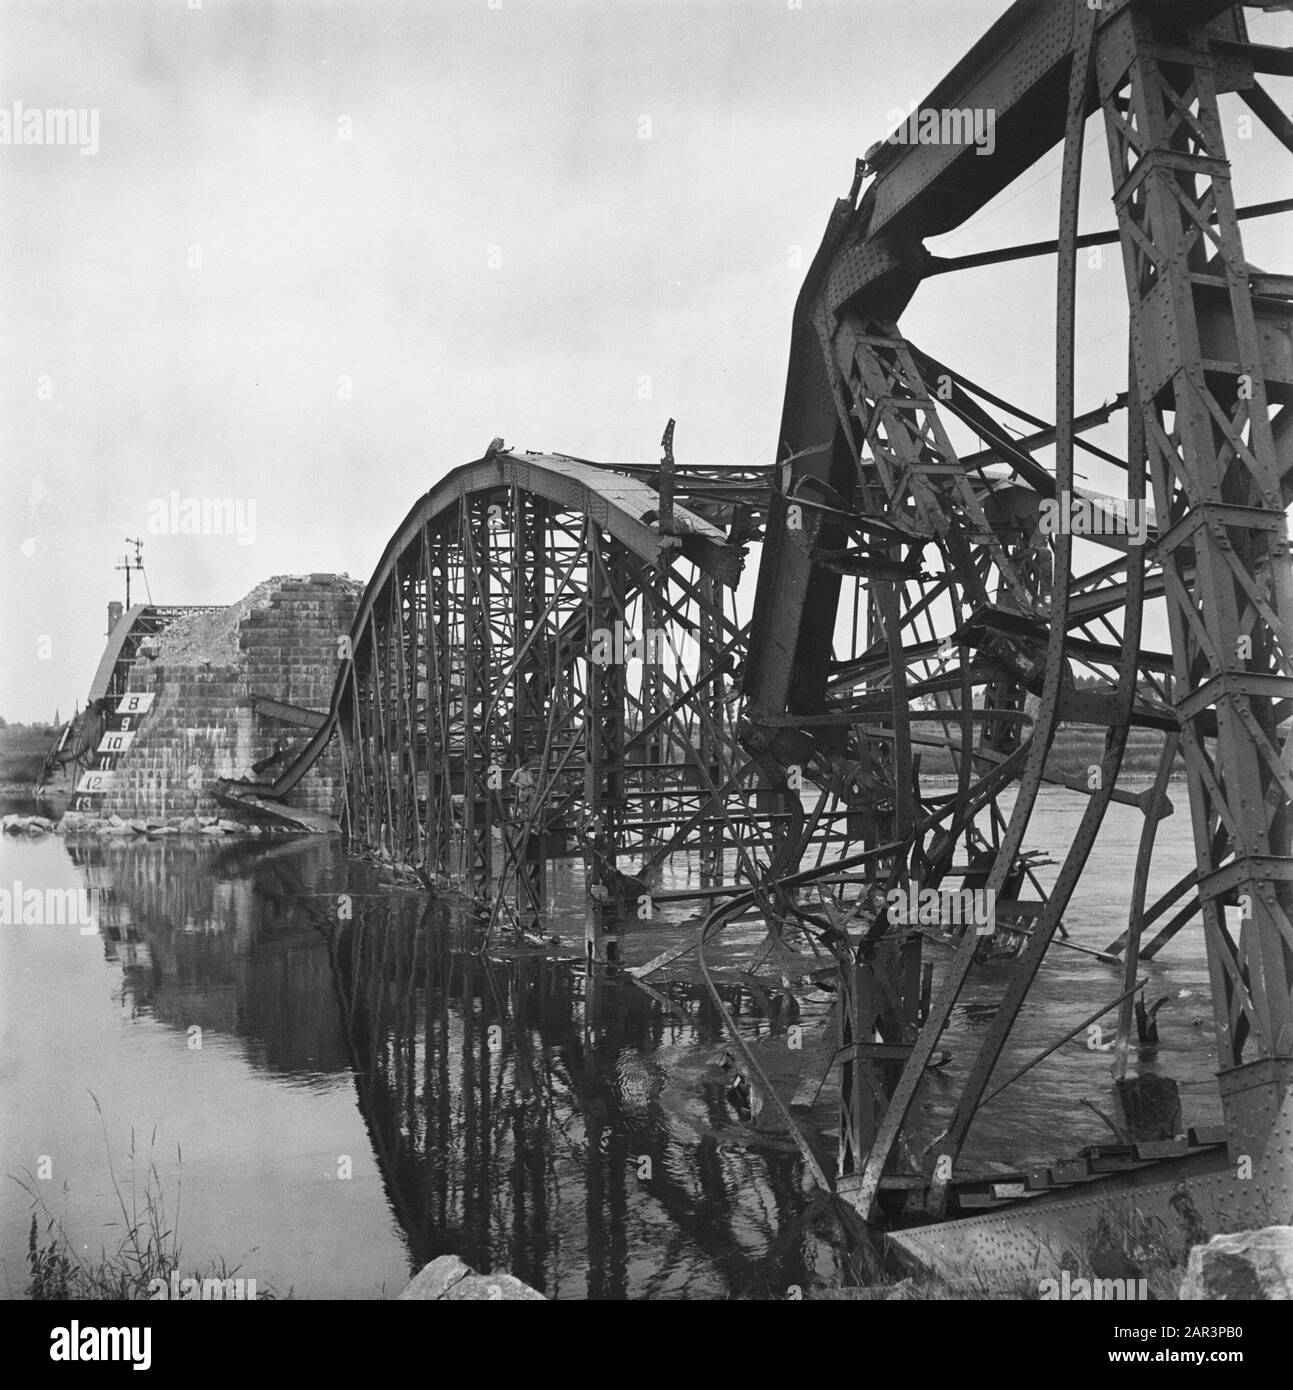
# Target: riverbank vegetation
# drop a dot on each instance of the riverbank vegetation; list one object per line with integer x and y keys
{"x": 146, "y": 1261}
{"x": 22, "y": 751}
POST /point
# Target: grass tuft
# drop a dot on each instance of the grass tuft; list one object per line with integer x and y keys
{"x": 147, "y": 1248}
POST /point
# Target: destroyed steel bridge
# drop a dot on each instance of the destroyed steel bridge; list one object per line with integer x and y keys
{"x": 908, "y": 600}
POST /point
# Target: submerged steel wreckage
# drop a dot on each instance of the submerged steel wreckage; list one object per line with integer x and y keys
{"x": 492, "y": 717}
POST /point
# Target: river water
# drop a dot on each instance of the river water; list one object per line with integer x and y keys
{"x": 331, "y": 1103}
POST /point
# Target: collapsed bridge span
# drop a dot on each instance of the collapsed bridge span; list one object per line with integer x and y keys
{"x": 922, "y": 588}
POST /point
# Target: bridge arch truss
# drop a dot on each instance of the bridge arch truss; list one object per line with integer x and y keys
{"x": 542, "y": 667}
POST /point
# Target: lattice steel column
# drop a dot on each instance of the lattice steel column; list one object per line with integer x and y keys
{"x": 603, "y": 739}
{"x": 651, "y": 703}
{"x": 440, "y": 703}
{"x": 478, "y": 810}
{"x": 1206, "y": 390}
{"x": 530, "y": 565}
{"x": 709, "y": 731}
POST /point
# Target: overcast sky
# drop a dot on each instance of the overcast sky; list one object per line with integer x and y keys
{"x": 495, "y": 249}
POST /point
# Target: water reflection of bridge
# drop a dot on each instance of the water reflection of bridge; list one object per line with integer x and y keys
{"x": 522, "y": 1115}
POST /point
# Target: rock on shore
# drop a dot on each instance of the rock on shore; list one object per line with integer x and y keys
{"x": 26, "y": 825}
{"x": 1246, "y": 1265}
{"x": 151, "y": 828}
{"x": 449, "y": 1278}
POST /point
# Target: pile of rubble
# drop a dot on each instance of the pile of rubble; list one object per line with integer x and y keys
{"x": 212, "y": 639}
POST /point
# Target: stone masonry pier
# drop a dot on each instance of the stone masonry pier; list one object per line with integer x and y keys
{"x": 212, "y": 676}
